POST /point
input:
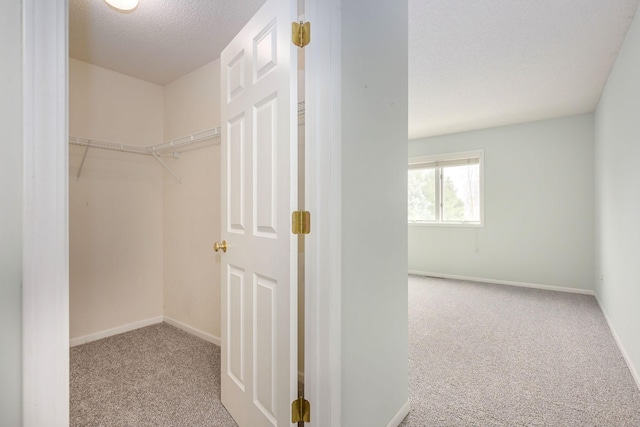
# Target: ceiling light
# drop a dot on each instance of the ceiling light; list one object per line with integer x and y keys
{"x": 125, "y": 5}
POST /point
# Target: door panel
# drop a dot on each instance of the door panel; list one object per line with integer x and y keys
{"x": 265, "y": 164}
{"x": 235, "y": 317}
{"x": 235, "y": 175}
{"x": 265, "y": 51}
{"x": 259, "y": 185}
{"x": 264, "y": 345}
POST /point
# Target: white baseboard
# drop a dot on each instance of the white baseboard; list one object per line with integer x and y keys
{"x": 193, "y": 331}
{"x": 114, "y": 331}
{"x": 504, "y": 282}
{"x": 402, "y": 413}
{"x": 626, "y": 357}
{"x": 141, "y": 324}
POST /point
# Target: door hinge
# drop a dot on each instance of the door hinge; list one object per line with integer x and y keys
{"x": 300, "y": 222}
{"x": 300, "y": 411}
{"x": 300, "y": 33}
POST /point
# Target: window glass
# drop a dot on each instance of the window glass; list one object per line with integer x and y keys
{"x": 422, "y": 195}
{"x": 446, "y": 189}
{"x": 461, "y": 193}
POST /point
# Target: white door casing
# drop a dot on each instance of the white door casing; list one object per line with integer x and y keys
{"x": 259, "y": 190}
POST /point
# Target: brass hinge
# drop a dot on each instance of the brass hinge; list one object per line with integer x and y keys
{"x": 300, "y": 222}
{"x": 300, "y": 411}
{"x": 300, "y": 33}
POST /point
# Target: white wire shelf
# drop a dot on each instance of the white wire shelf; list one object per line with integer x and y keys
{"x": 106, "y": 145}
{"x": 164, "y": 148}
{"x": 170, "y": 147}
{"x": 175, "y": 144}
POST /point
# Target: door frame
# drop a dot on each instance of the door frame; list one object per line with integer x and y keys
{"x": 45, "y": 302}
{"x": 45, "y": 233}
{"x": 323, "y": 167}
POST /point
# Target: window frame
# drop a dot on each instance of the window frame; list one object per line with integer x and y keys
{"x": 440, "y": 161}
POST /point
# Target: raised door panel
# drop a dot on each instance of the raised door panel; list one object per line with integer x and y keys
{"x": 236, "y": 174}
{"x": 264, "y": 345}
{"x": 235, "y": 350}
{"x": 265, "y": 167}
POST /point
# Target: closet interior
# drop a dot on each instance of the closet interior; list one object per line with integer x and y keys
{"x": 144, "y": 202}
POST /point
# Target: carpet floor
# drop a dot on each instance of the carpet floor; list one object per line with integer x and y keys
{"x": 493, "y": 355}
{"x": 154, "y": 376}
{"x": 479, "y": 355}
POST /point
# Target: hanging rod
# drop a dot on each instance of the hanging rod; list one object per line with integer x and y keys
{"x": 185, "y": 140}
{"x": 106, "y": 145}
{"x": 154, "y": 150}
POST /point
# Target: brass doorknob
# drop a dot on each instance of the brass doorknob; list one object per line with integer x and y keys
{"x": 222, "y": 245}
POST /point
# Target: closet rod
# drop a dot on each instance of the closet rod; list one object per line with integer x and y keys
{"x": 186, "y": 140}
{"x": 154, "y": 150}
{"x": 158, "y": 148}
{"x": 106, "y": 145}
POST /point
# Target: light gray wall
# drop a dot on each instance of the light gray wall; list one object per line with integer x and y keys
{"x": 10, "y": 213}
{"x": 618, "y": 196}
{"x": 374, "y": 212}
{"x": 539, "y": 198}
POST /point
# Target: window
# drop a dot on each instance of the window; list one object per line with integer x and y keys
{"x": 446, "y": 189}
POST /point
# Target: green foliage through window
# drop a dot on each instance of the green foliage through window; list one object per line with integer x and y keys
{"x": 422, "y": 195}
{"x": 444, "y": 192}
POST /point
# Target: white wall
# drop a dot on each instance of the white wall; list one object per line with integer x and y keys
{"x": 192, "y": 209}
{"x": 115, "y": 216}
{"x": 374, "y": 212}
{"x": 539, "y": 198}
{"x": 11, "y": 213}
{"x": 618, "y": 197}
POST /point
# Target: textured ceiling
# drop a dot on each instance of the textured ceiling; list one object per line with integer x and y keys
{"x": 479, "y": 64}
{"x": 160, "y": 40}
{"x": 472, "y": 63}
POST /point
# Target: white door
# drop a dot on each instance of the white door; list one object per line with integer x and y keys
{"x": 259, "y": 190}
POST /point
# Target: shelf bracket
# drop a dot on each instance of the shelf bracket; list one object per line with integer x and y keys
{"x": 84, "y": 156}
{"x": 155, "y": 156}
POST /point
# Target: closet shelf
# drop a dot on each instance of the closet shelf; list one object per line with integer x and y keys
{"x": 166, "y": 148}
{"x": 106, "y": 145}
{"x": 174, "y": 144}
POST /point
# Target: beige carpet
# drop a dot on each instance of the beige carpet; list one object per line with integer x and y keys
{"x": 154, "y": 376}
{"x": 492, "y": 355}
{"x": 480, "y": 355}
